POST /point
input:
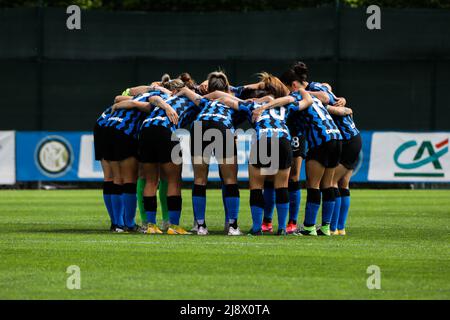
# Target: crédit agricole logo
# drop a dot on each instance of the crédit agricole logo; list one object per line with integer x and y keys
{"x": 425, "y": 153}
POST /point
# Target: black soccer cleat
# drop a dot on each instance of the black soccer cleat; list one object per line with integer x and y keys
{"x": 255, "y": 233}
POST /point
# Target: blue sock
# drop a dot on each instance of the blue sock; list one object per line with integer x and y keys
{"x": 257, "y": 208}
{"x": 282, "y": 203}
{"x": 174, "y": 217}
{"x": 150, "y": 206}
{"x": 294, "y": 200}
{"x": 174, "y": 205}
{"x": 117, "y": 205}
{"x": 312, "y": 207}
{"x": 199, "y": 202}
{"x": 269, "y": 200}
{"x": 151, "y": 216}
{"x": 225, "y": 206}
{"x": 257, "y": 217}
{"x": 327, "y": 205}
{"x": 129, "y": 203}
{"x": 345, "y": 205}
{"x": 336, "y": 211}
{"x": 107, "y": 193}
{"x": 232, "y": 201}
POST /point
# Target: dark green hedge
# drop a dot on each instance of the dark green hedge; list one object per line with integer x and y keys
{"x": 221, "y": 5}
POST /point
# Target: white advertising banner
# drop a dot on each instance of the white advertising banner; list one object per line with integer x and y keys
{"x": 7, "y": 157}
{"x": 402, "y": 156}
{"x": 88, "y": 168}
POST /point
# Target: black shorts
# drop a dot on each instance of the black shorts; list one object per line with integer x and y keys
{"x": 221, "y": 150}
{"x": 118, "y": 146}
{"x": 156, "y": 145}
{"x": 328, "y": 154}
{"x": 284, "y": 154}
{"x": 99, "y": 142}
{"x": 298, "y": 144}
{"x": 350, "y": 152}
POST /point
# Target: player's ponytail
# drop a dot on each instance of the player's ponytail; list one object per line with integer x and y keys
{"x": 217, "y": 80}
{"x": 273, "y": 85}
{"x": 165, "y": 78}
{"x": 301, "y": 70}
{"x": 188, "y": 81}
{"x": 288, "y": 77}
{"x": 171, "y": 85}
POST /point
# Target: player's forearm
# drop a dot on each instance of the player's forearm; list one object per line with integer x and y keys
{"x": 278, "y": 103}
{"x": 255, "y": 86}
{"x": 121, "y": 98}
{"x": 130, "y": 104}
{"x": 321, "y": 95}
{"x": 159, "y": 102}
{"x": 339, "y": 111}
{"x": 229, "y": 102}
{"x": 306, "y": 101}
{"x": 138, "y": 90}
{"x": 220, "y": 94}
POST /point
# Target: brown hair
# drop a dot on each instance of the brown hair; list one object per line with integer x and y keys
{"x": 188, "y": 81}
{"x": 217, "y": 80}
{"x": 273, "y": 85}
{"x": 171, "y": 85}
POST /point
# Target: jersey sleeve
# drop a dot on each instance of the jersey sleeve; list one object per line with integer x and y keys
{"x": 157, "y": 93}
{"x": 246, "y": 107}
{"x": 237, "y": 91}
{"x": 297, "y": 96}
{"x": 291, "y": 107}
{"x": 315, "y": 86}
{"x": 203, "y": 103}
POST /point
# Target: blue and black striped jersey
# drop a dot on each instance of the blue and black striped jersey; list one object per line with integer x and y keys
{"x": 129, "y": 120}
{"x": 185, "y": 108}
{"x": 316, "y": 123}
{"x": 216, "y": 112}
{"x": 101, "y": 121}
{"x": 345, "y": 123}
{"x": 237, "y": 91}
{"x": 346, "y": 126}
{"x": 271, "y": 123}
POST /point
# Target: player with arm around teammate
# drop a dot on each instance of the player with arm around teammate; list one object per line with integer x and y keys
{"x": 272, "y": 136}
{"x": 324, "y": 142}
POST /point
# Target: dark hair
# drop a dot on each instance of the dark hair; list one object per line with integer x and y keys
{"x": 188, "y": 81}
{"x": 248, "y": 93}
{"x": 289, "y": 76}
{"x": 217, "y": 80}
{"x": 301, "y": 70}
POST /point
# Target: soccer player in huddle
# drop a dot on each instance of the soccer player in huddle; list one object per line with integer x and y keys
{"x": 214, "y": 117}
{"x": 120, "y": 151}
{"x": 324, "y": 142}
{"x": 272, "y": 136}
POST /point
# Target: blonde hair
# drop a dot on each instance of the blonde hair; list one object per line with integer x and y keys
{"x": 273, "y": 85}
{"x": 174, "y": 84}
{"x": 217, "y": 80}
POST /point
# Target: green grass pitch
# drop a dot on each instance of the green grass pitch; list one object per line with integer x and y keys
{"x": 405, "y": 233}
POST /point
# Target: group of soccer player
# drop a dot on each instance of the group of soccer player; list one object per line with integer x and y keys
{"x": 293, "y": 119}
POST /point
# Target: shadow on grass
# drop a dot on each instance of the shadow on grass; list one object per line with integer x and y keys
{"x": 105, "y": 231}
